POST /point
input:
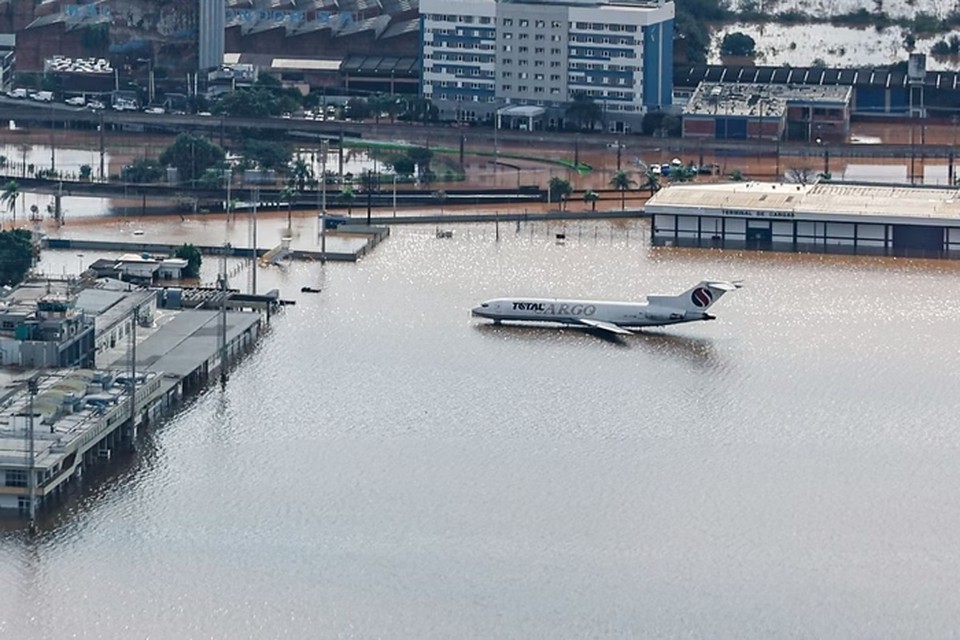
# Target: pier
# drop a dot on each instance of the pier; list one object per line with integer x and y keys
{"x": 56, "y": 423}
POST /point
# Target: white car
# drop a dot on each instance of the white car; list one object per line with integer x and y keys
{"x": 154, "y": 110}
{"x": 76, "y": 101}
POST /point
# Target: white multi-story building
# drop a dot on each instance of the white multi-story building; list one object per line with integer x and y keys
{"x": 486, "y": 56}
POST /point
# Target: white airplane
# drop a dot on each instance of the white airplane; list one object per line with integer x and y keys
{"x": 612, "y": 317}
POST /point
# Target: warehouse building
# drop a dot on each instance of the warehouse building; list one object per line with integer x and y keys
{"x": 825, "y": 218}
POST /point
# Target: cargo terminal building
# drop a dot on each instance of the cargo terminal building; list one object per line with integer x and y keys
{"x": 824, "y": 218}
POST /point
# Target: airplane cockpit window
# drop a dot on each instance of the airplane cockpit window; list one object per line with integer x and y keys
{"x": 484, "y": 305}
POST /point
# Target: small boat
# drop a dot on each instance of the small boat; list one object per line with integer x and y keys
{"x": 309, "y": 290}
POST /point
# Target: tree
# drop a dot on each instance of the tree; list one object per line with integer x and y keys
{"x": 622, "y": 181}
{"x": 192, "y": 156}
{"x": 286, "y": 195}
{"x": 248, "y": 103}
{"x": 651, "y": 182}
{"x": 590, "y": 196}
{"x": 268, "y": 155}
{"x": 85, "y": 172}
{"x": 800, "y": 175}
{"x": 16, "y": 256}
{"x": 347, "y": 195}
{"x": 301, "y": 174}
{"x": 11, "y": 191}
{"x": 193, "y": 257}
{"x": 421, "y": 157}
{"x": 357, "y": 109}
{"x": 380, "y": 103}
{"x": 738, "y": 44}
{"x": 560, "y": 190}
{"x": 142, "y": 171}
{"x": 404, "y": 166}
{"x": 584, "y": 110}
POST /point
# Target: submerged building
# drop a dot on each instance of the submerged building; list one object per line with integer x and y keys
{"x": 824, "y": 218}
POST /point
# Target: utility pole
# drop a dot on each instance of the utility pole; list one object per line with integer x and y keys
{"x": 134, "y": 320}
{"x": 253, "y": 242}
{"x": 619, "y": 154}
{"x": 103, "y": 176}
{"x": 222, "y": 333}
{"x": 31, "y": 463}
{"x": 323, "y": 202}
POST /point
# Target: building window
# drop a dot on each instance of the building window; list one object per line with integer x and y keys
{"x": 484, "y": 20}
{"x": 539, "y": 36}
{"x": 523, "y": 49}
{"x": 16, "y": 478}
{"x": 506, "y": 87}
{"x": 538, "y": 50}
{"x": 507, "y": 35}
{"x": 540, "y": 24}
{"x": 522, "y": 88}
{"x": 538, "y": 63}
{"x": 507, "y": 48}
{"x": 523, "y": 36}
{"x": 524, "y": 23}
{"x": 508, "y": 22}
{"x": 556, "y": 24}
{"x": 555, "y": 64}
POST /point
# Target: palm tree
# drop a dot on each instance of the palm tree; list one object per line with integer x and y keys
{"x": 286, "y": 195}
{"x": 622, "y": 181}
{"x": 11, "y": 191}
{"x": 651, "y": 182}
{"x": 560, "y": 190}
{"x": 300, "y": 174}
{"x": 591, "y": 197}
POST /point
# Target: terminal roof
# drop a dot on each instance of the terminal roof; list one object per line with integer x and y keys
{"x": 741, "y": 99}
{"x": 816, "y": 199}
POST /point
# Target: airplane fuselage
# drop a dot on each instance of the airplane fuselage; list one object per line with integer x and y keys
{"x": 624, "y": 314}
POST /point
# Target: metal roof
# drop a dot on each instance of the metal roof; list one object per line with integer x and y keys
{"x": 692, "y": 75}
{"x": 816, "y": 200}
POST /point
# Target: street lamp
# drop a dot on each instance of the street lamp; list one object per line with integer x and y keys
{"x": 826, "y": 157}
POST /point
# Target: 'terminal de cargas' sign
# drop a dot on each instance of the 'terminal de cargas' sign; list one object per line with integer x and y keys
{"x": 746, "y": 213}
{"x": 558, "y": 309}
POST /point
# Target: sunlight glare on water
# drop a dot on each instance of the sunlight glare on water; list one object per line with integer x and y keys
{"x": 385, "y": 465}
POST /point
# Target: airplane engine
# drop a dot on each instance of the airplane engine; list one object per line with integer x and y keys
{"x": 666, "y": 315}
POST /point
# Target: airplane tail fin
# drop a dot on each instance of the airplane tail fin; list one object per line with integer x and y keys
{"x": 700, "y": 297}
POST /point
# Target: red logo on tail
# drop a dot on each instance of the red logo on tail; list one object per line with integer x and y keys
{"x": 701, "y": 297}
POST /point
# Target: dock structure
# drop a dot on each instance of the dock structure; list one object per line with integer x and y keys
{"x": 55, "y": 423}
{"x": 827, "y": 217}
{"x": 73, "y": 420}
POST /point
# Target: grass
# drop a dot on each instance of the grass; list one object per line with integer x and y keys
{"x": 581, "y": 168}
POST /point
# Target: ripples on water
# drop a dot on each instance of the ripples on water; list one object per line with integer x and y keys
{"x": 385, "y": 465}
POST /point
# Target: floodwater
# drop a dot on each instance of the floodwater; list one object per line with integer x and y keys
{"x": 383, "y": 465}
{"x": 799, "y": 45}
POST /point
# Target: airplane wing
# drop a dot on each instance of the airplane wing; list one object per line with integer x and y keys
{"x": 605, "y": 326}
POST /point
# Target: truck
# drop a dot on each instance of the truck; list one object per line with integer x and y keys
{"x": 43, "y": 96}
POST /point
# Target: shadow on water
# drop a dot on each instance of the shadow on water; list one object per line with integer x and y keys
{"x": 698, "y": 351}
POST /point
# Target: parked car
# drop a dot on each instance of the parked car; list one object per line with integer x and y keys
{"x": 43, "y": 96}
{"x": 76, "y": 101}
{"x": 154, "y": 110}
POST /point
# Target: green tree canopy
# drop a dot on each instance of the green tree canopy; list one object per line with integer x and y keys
{"x": 192, "y": 156}
{"x": 404, "y": 166}
{"x": 193, "y": 257}
{"x": 591, "y": 196}
{"x": 142, "y": 171}
{"x": 622, "y": 181}
{"x": 584, "y": 111}
{"x": 421, "y": 157}
{"x": 267, "y": 155}
{"x": 560, "y": 190}
{"x": 16, "y": 256}
{"x": 11, "y": 191}
{"x": 738, "y": 44}
{"x": 248, "y": 103}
